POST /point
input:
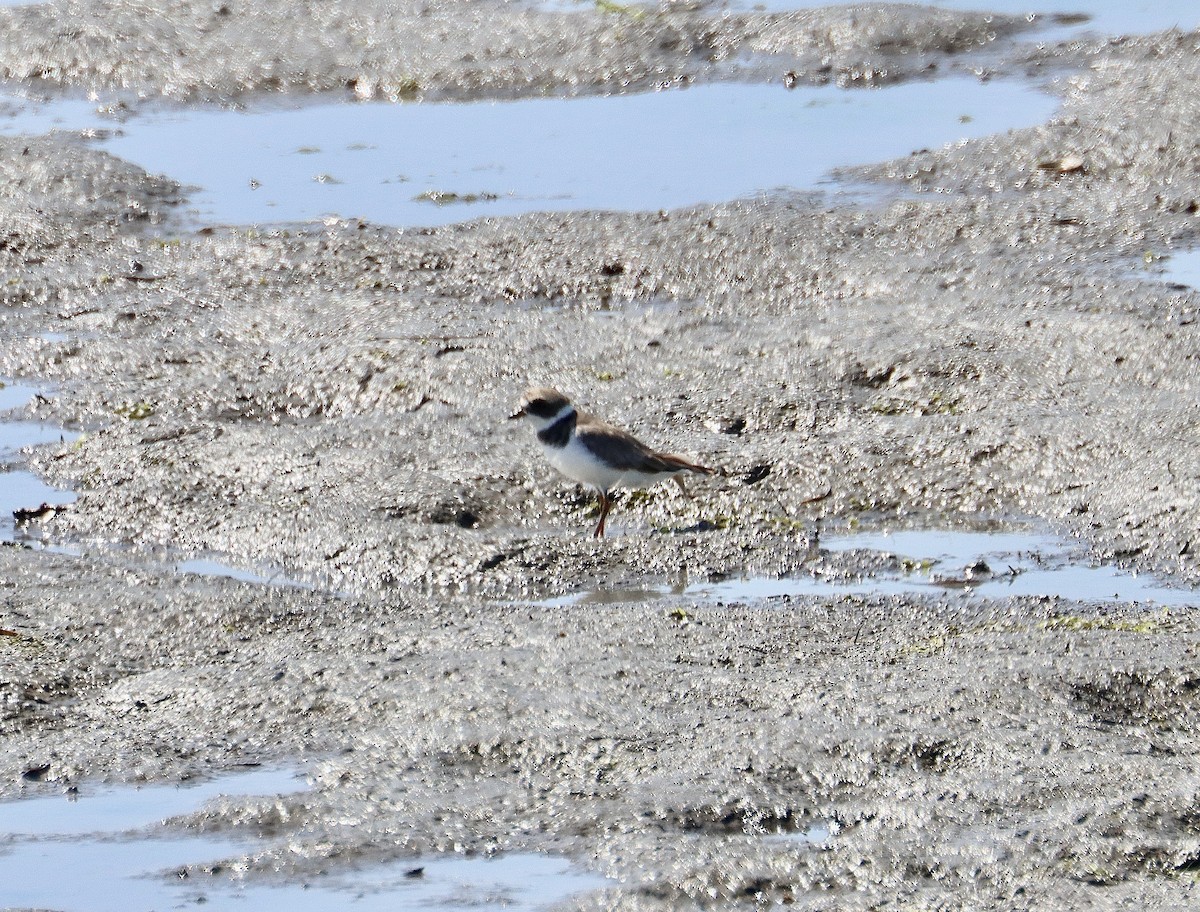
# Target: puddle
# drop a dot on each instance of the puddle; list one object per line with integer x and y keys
{"x": 1105, "y": 17}
{"x": 430, "y": 164}
{"x": 1181, "y": 267}
{"x": 1020, "y": 564}
{"x": 977, "y": 564}
{"x": 207, "y": 566}
{"x": 161, "y": 559}
{"x": 108, "y": 851}
{"x": 20, "y": 489}
{"x": 14, "y": 396}
{"x": 21, "y": 115}
{"x": 123, "y": 809}
{"x": 814, "y": 835}
{"x": 418, "y": 164}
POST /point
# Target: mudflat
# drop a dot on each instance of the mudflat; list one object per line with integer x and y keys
{"x": 983, "y": 345}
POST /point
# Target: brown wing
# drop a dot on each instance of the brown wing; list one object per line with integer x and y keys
{"x": 624, "y": 452}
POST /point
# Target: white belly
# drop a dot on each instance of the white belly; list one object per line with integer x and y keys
{"x": 577, "y": 463}
{"x": 643, "y": 479}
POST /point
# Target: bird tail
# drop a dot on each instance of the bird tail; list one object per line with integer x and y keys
{"x": 673, "y": 463}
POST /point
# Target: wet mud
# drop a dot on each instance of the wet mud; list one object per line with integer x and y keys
{"x": 203, "y": 51}
{"x": 982, "y": 343}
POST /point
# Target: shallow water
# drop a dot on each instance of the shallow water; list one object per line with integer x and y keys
{"x": 1105, "y": 17}
{"x": 15, "y": 395}
{"x": 106, "y": 850}
{"x": 121, "y": 809}
{"x": 1018, "y": 563}
{"x": 432, "y": 164}
{"x": 1036, "y": 564}
{"x": 1182, "y": 267}
{"x": 164, "y": 559}
{"x": 16, "y": 432}
{"x": 814, "y": 835}
{"x": 208, "y": 566}
{"x": 20, "y": 489}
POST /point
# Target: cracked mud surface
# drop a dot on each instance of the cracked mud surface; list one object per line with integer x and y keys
{"x": 329, "y": 399}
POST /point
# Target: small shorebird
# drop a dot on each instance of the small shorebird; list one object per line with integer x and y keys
{"x": 593, "y": 452}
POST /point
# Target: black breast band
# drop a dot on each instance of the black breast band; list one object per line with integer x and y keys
{"x": 557, "y": 434}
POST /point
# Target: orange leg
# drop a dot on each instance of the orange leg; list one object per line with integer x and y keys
{"x": 605, "y": 506}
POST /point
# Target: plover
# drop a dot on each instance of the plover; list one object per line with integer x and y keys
{"x": 593, "y": 452}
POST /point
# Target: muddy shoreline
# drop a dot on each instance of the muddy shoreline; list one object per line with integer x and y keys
{"x": 985, "y": 349}
{"x": 199, "y": 51}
